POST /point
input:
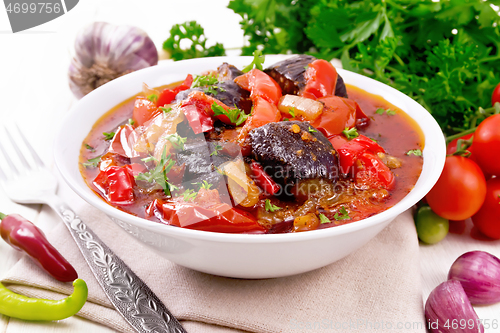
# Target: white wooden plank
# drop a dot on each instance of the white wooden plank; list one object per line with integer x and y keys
{"x": 69, "y": 325}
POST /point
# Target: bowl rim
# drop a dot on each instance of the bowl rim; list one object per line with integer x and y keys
{"x": 432, "y": 134}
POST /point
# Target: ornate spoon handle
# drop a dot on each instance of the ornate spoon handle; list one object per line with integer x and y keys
{"x": 140, "y": 307}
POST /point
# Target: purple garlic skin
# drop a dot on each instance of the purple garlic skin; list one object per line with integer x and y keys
{"x": 479, "y": 274}
{"x": 104, "y": 52}
{"x": 448, "y": 310}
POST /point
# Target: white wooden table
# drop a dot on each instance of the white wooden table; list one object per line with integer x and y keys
{"x": 34, "y": 93}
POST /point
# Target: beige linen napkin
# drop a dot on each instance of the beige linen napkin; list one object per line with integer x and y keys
{"x": 377, "y": 287}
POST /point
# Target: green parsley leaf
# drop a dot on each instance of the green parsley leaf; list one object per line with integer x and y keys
{"x": 89, "y": 147}
{"x": 204, "y": 80}
{"x": 165, "y": 110}
{"x": 270, "y": 207}
{"x": 291, "y": 111}
{"x": 152, "y": 98}
{"x": 131, "y": 122}
{"x": 258, "y": 60}
{"x": 189, "y": 195}
{"x": 380, "y": 111}
{"x": 204, "y": 184}
{"x": 92, "y": 163}
{"x": 108, "y": 135}
{"x": 312, "y": 130}
{"x": 194, "y": 34}
{"x": 350, "y": 133}
{"x": 286, "y": 119}
{"x": 324, "y": 219}
{"x": 236, "y": 116}
{"x": 344, "y": 215}
{"x": 217, "y": 147}
{"x": 416, "y": 152}
{"x": 176, "y": 140}
{"x": 158, "y": 174}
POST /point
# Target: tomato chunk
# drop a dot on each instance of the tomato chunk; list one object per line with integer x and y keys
{"x": 263, "y": 113}
{"x": 352, "y": 150}
{"x": 260, "y": 85}
{"x": 144, "y": 110}
{"x": 337, "y": 115}
{"x": 373, "y": 173}
{"x": 168, "y": 95}
{"x": 321, "y": 79}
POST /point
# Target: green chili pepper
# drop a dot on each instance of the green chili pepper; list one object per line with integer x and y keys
{"x": 22, "y": 307}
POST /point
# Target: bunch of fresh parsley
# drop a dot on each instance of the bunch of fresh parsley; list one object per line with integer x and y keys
{"x": 444, "y": 54}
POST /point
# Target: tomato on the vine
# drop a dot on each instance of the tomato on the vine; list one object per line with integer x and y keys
{"x": 495, "y": 97}
{"x": 487, "y": 219}
{"x": 459, "y": 191}
{"x": 486, "y": 145}
{"x": 451, "y": 148}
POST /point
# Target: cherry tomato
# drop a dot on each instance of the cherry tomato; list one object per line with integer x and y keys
{"x": 486, "y": 145}
{"x": 495, "y": 97}
{"x": 260, "y": 85}
{"x": 459, "y": 191}
{"x": 452, "y": 146}
{"x": 487, "y": 219}
{"x": 431, "y": 228}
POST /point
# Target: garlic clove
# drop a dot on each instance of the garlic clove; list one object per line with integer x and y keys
{"x": 448, "y": 310}
{"x": 479, "y": 274}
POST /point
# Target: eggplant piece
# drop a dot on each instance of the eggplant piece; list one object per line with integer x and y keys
{"x": 289, "y": 74}
{"x": 227, "y": 72}
{"x": 291, "y": 151}
{"x": 227, "y": 92}
{"x": 201, "y": 162}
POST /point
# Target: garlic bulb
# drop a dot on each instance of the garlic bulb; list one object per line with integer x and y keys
{"x": 479, "y": 274}
{"x": 104, "y": 52}
{"x": 448, "y": 310}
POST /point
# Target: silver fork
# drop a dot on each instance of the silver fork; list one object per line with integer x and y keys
{"x": 138, "y": 305}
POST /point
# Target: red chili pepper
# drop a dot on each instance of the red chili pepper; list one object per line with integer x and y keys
{"x": 350, "y": 151}
{"x": 23, "y": 235}
{"x": 116, "y": 183}
{"x": 263, "y": 180}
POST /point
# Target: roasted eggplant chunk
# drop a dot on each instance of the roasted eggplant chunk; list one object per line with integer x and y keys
{"x": 227, "y": 92}
{"x": 291, "y": 151}
{"x": 289, "y": 74}
{"x": 201, "y": 162}
{"x": 227, "y": 72}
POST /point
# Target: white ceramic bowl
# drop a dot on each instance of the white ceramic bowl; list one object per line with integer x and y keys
{"x": 239, "y": 255}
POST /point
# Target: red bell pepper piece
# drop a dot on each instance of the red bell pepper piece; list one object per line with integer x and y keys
{"x": 23, "y": 235}
{"x": 116, "y": 184}
{"x": 373, "y": 172}
{"x": 123, "y": 141}
{"x": 168, "y": 95}
{"x": 350, "y": 151}
{"x": 260, "y": 85}
{"x": 220, "y": 217}
{"x": 263, "y": 180}
{"x": 321, "y": 79}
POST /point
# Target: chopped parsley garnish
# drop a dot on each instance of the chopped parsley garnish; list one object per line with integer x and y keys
{"x": 416, "y": 152}
{"x": 165, "y": 110}
{"x": 108, "y": 135}
{"x": 176, "y": 140}
{"x": 350, "y": 133}
{"x": 286, "y": 119}
{"x": 217, "y": 147}
{"x": 270, "y": 207}
{"x": 153, "y": 98}
{"x": 258, "y": 60}
{"x": 158, "y": 175}
{"x": 131, "y": 122}
{"x": 189, "y": 195}
{"x": 204, "y": 80}
{"x": 312, "y": 130}
{"x": 204, "y": 184}
{"x": 291, "y": 111}
{"x": 213, "y": 90}
{"x": 236, "y": 116}
{"x": 92, "y": 163}
{"x": 324, "y": 219}
{"x": 388, "y": 111}
{"x": 344, "y": 215}
{"x": 89, "y": 147}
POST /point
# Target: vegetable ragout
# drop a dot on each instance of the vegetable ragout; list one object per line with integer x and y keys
{"x": 288, "y": 148}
